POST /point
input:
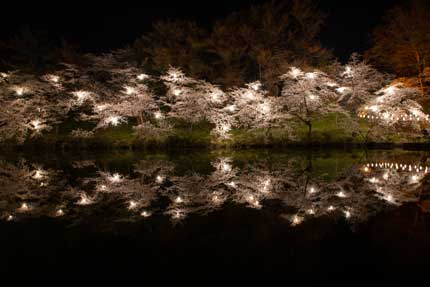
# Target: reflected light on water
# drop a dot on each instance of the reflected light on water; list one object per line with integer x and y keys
{"x": 85, "y": 200}
{"x": 296, "y": 220}
{"x": 24, "y": 207}
{"x": 132, "y": 204}
{"x": 162, "y": 186}
{"x": 341, "y": 194}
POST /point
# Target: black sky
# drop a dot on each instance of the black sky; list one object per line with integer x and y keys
{"x": 100, "y": 26}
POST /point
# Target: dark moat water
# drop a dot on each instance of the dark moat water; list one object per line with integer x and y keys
{"x": 286, "y": 211}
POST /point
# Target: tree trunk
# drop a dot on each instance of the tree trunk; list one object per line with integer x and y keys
{"x": 309, "y": 132}
{"x": 141, "y": 118}
{"x": 420, "y": 69}
{"x": 259, "y": 70}
{"x": 420, "y": 79}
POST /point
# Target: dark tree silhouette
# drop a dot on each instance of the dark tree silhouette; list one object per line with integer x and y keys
{"x": 402, "y": 43}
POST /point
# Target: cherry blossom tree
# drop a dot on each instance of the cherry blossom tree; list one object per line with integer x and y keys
{"x": 30, "y": 105}
{"x": 253, "y": 109}
{"x": 393, "y": 107}
{"x": 357, "y": 83}
{"x": 308, "y": 96}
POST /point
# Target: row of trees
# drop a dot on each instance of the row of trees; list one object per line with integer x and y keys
{"x": 259, "y": 43}
{"x": 109, "y": 92}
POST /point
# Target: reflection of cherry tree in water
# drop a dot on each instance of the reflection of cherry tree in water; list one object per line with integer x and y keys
{"x": 28, "y": 187}
{"x": 154, "y": 187}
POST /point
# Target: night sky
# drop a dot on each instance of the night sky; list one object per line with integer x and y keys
{"x": 99, "y": 26}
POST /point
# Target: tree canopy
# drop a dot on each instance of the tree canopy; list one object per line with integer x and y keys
{"x": 402, "y": 42}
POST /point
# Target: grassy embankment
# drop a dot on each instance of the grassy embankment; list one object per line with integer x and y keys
{"x": 331, "y": 130}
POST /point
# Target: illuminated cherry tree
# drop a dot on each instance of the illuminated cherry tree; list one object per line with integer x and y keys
{"x": 394, "y": 107}
{"x": 308, "y": 96}
{"x": 184, "y": 97}
{"x": 253, "y": 108}
{"x": 30, "y": 105}
{"x": 193, "y": 100}
{"x": 357, "y": 83}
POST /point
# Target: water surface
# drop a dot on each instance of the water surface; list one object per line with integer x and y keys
{"x": 321, "y": 212}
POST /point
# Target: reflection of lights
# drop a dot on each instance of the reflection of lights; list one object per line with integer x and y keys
{"x": 82, "y": 96}
{"x": 102, "y": 107}
{"x": 310, "y": 211}
{"x": 145, "y": 213}
{"x": 59, "y": 212}
{"x": 390, "y": 90}
{"x": 252, "y": 200}
{"x": 347, "y": 213}
{"x": 312, "y": 190}
{"x": 385, "y": 176}
{"x": 158, "y": 115}
{"x": 231, "y": 108}
{"x": 342, "y": 90}
{"x": 312, "y": 97}
{"x": 216, "y": 199}
{"x": 414, "y": 178}
{"x": 36, "y": 124}
{"x": 10, "y": 217}
{"x": 348, "y": 72}
{"x": 232, "y": 184}
{"x": 249, "y": 95}
{"x": 225, "y": 167}
{"x": 266, "y": 186}
{"x": 225, "y": 128}
{"x": 130, "y": 90}
{"x": 215, "y": 96}
{"x": 331, "y": 208}
{"x": 311, "y": 76}
{"x": 366, "y": 169}
{"x": 141, "y": 77}
{"x": 179, "y": 200}
{"x": 174, "y": 75}
{"x": 177, "y": 214}
{"x": 102, "y": 187}
{"x": 265, "y": 108}
{"x": 159, "y": 179}
{"x": 374, "y": 108}
{"x": 255, "y": 86}
{"x": 24, "y": 207}
{"x": 177, "y": 92}
{"x": 389, "y": 198}
{"x": 19, "y": 91}
{"x": 294, "y": 72}
{"x": 373, "y": 180}
{"x": 39, "y": 174}
{"x": 115, "y": 178}
{"x": 114, "y": 120}
{"x": 341, "y": 194}
{"x": 84, "y": 200}
{"x": 132, "y": 204}
{"x": 52, "y": 78}
{"x": 296, "y": 220}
